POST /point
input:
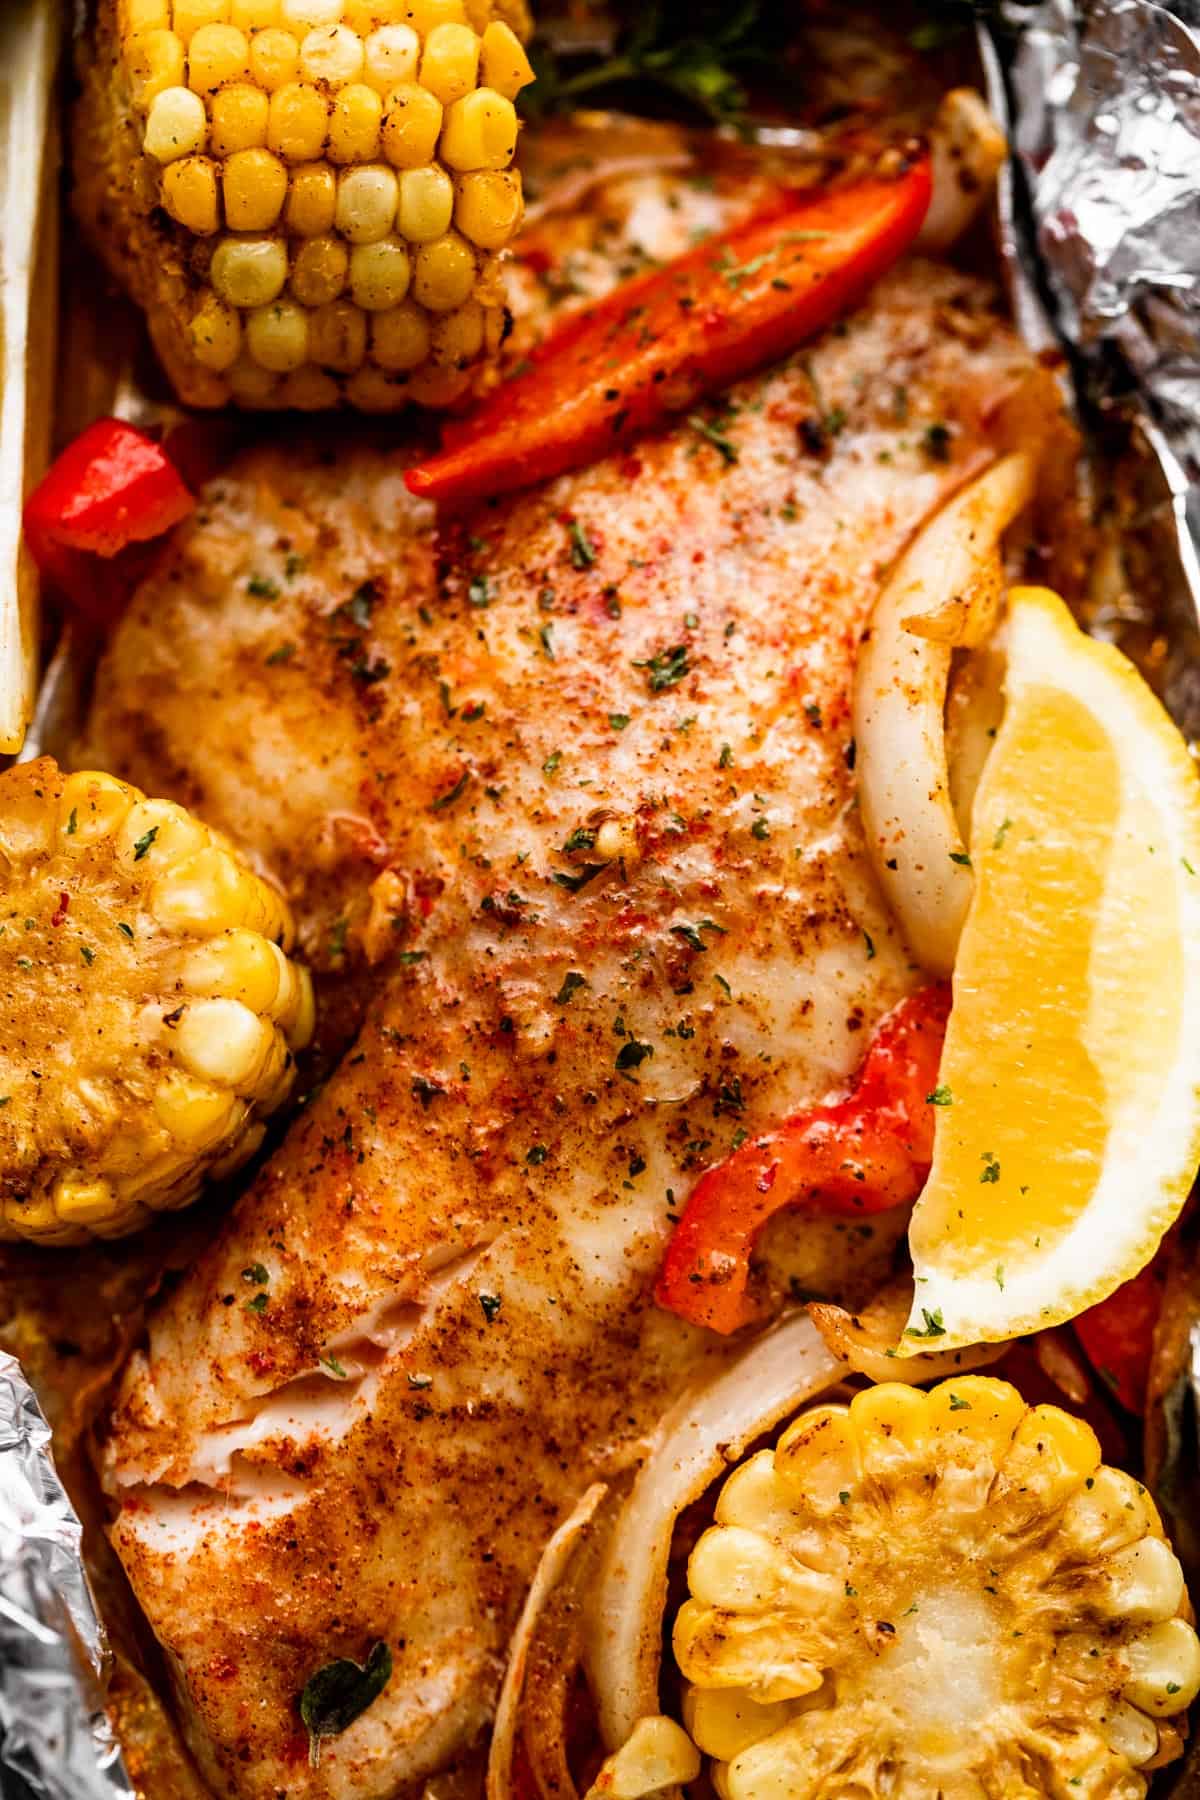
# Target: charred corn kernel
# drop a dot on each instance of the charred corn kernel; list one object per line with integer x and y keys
{"x": 190, "y": 16}
{"x": 255, "y": 187}
{"x": 144, "y": 15}
{"x": 249, "y": 272}
{"x": 457, "y": 337}
{"x": 426, "y": 203}
{"x": 251, "y": 385}
{"x": 657, "y": 1754}
{"x": 412, "y": 124}
{"x": 443, "y": 273}
{"x": 216, "y": 54}
{"x": 274, "y": 59}
{"x": 307, "y": 15}
{"x": 337, "y": 336}
{"x": 332, "y": 53}
{"x": 379, "y": 274}
{"x": 450, "y": 62}
{"x": 190, "y": 194}
{"x": 277, "y": 336}
{"x": 480, "y": 132}
{"x": 312, "y": 200}
{"x": 400, "y": 338}
{"x": 155, "y": 62}
{"x": 216, "y": 334}
{"x": 366, "y": 203}
{"x": 148, "y": 993}
{"x": 504, "y": 65}
{"x": 175, "y": 125}
{"x": 238, "y": 119}
{"x": 372, "y": 390}
{"x": 390, "y": 57}
{"x": 298, "y": 123}
{"x": 354, "y": 122}
{"x": 487, "y": 206}
{"x": 437, "y": 387}
{"x": 319, "y": 270}
{"x": 309, "y": 390}
{"x": 908, "y": 1589}
{"x": 254, "y": 15}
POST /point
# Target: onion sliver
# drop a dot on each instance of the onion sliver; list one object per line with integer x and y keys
{"x": 967, "y": 148}
{"x": 900, "y": 700}
{"x": 554, "y": 1562}
{"x": 703, "y": 1433}
{"x": 872, "y": 1342}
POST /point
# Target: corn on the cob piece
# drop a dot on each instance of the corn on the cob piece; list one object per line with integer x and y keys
{"x": 148, "y": 1008}
{"x": 316, "y": 192}
{"x": 940, "y": 1593}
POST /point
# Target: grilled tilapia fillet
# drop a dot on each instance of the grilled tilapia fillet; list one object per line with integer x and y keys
{"x": 610, "y": 758}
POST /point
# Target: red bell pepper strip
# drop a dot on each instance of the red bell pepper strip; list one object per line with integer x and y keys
{"x": 1117, "y": 1334}
{"x": 738, "y": 301}
{"x": 112, "y": 488}
{"x": 862, "y": 1152}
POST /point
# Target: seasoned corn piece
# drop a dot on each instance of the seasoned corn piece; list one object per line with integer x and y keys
{"x": 311, "y": 155}
{"x": 159, "y": 1031}
{"x": 934, "y": 1593}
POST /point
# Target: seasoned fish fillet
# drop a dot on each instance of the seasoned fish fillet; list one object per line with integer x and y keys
{"x": 607, "y": 757}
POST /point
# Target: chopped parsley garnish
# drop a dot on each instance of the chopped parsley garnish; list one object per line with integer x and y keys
{"x": 870, "y": 943}
{"x": 991, "y": 1168}
{"x": 72, "y": 823}
{"x": 618, "y": 721}
{"x": 283, "y": 654}
{"x": 582, "y": 838}
{"x": 941, "y": 1096}
{"x": 632, "y": 1055}
{"x": 125, "y": 930}
{"x": 334, "y": 1366}
{"x": 760, "y": 829}
{"x": 713, "y": 433}
{"x": 961, "y": 858}
{"x": 143, "y": 843}
{"x": 258, "y": 1304}
{"x": 958, "y": 1405}
{"x": 580, "y": 877}
{"x": 934, "y": 1326}
{"x": 491, "y": 1304}
{"x": 999, "y": 1276}
{"x": 552, "y": 762}
{"x": 537, "y": 1153}
{"x": 725, "y": 760}
{"x": 1002, "y": 832}
{"x": 546, "y": 635}
{"x": 583, "y": 552}
{"x": 665, "y": 668}
{"x": 572, "y": 982}
{"x": 256, "y": 1275}
{"x": 336, "y": 1695}
{"x": 479, "y": 593}
{"x": 262, "y": 588}
{"x": 88, "y": 954}
{"x": 448, "y": 798}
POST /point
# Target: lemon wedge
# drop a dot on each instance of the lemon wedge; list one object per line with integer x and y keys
{"x": 1068, "y": 1122}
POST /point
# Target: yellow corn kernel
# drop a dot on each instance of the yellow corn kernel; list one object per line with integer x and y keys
{"x": 487, "y": 206}
{"x": 400, "y": 338}
{"x": 249, "y": 271}
{"x": 1129, "y": 1733}
{"x": 255, "y": 185}
{"x": 443, "y": 273}
{"x": 379, "y": 274}
{"x": 426, "y": 203}
{"x": 450, "y": 62}
{"x": 657, "y": 1754}
{"x": 480, "y": 132}
{"x": 274, "y": 59}
{"x": 891, "y": 1423}
{"x": 457, "y": 337}
{"x": 154, "y": 61}
{"x": 194, "y": 1112}
{"x": 204, "y": 894}
{"x": 38, "y": 1220}
{"x": 216, "y": 334}
{"x": 724, "y": 1721}
{"x": 142, "y": 15}
{"x": 1164, "y": 1668}
{"x": 238, "y": 119}
{"x": 817, "y": 1457}
{"x": 426, "y": 15}
{"x": 412, "y": 122}
{"x": 309, "y": 390}
{"x": 277, "y": 336}
{"x": 299, "y": 1034}
{"x": 254, "y": 15}
{"x": 237, "y": 965}
{"x": 1111, "y": 1509}
{"x": 337, "y": 336}
{"x": 734, "y": 1567}
{"x": 188, "y": 16}
{"x": 1142, "y": 1582}
{"x": 216, "y": 54}
{"x": 319, "y": 270}
{"x": 189, "y": 192}
{"x": 312, "y": 200}
{"x": 332, "y": 54}
{"x": 155, "y": 832}
{"x": 354, "y": 124}
{"x": 504, "y": 65}
{"x": 82, "y": 1202}
{"x": 366, "y": 203}
{"x": 371, "y": 390}
{"x": 223, "y": 1041}
{"x": 435, "y": 387}
{"x": 298, "y": 123}
{"x": 92, "y": 806}
{"x": 306, "y": 15}
{"x": 390, "y": 56}
{"x": 175, "y": 125}
{"x": 979, "y": 1410}
{"x": 1051, "y": 1455}
{"x": 250, "y": 384}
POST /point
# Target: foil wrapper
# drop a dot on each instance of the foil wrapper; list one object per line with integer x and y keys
{"x": 55, "y": 1739}
{"x": 1100, "y": 228}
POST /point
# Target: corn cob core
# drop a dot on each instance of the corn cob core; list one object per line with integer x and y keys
{"x": 148, "y": 1011}
{"x": 938, "y": 1593}
{"x": 339, "y": 175}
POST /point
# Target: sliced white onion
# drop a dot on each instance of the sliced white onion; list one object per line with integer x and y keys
{"x": 555, "y": 1560}
{"x": 967, "y": 149}
{"x": 899, "y": 707}
{"x": 872, "y": 1342}
{"x": 701, "y": 1436}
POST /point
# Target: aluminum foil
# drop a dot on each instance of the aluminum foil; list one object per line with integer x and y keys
{"x": 1101, "y": 231}
{"x": 55, "y": 1740}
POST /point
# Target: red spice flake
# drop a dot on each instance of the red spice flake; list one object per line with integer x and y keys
{"x": 60, "y": 912}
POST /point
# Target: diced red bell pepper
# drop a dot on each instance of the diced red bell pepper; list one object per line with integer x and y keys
{"x": 862, "y": 1152}
{"x": 740, "y": 300}
{"x": 1117, "y": 1334}
{"x": 112, "y": 488}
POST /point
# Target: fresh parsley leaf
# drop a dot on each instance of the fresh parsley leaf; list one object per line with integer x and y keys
{"x": 142, "y": 844}
{"x": 337, "y": 1694}
{"x": 934, "y": 1326}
